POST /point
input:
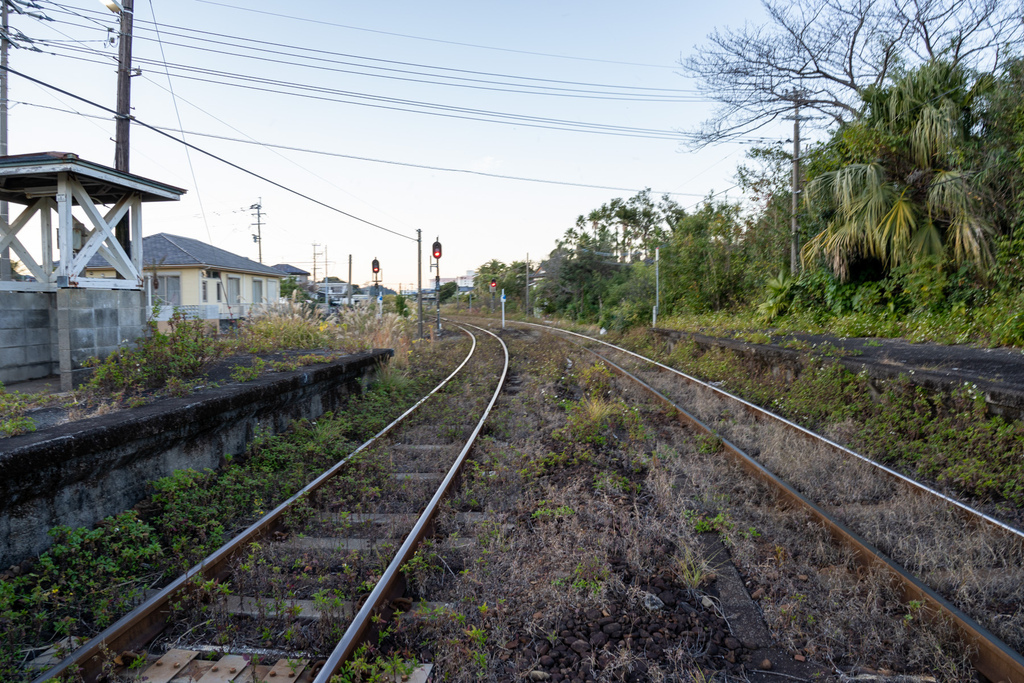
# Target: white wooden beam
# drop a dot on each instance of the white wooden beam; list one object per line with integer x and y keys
{"x": 64, "y": 227}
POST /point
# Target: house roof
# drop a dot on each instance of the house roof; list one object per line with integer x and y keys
{"x": 289, "y": 269}
{"x": 166, "y": 250}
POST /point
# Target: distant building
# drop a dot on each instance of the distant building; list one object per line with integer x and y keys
{"x": 206, "y": 282}
{"x": 301, "y": 276}
{"x": 466, "y": 281}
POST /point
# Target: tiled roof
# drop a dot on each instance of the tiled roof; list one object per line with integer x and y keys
{"x": 289, "y": 269}
{"x": 165, "y": 250}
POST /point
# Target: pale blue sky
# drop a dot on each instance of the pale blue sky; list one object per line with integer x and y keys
{"x": 477, "y": 218}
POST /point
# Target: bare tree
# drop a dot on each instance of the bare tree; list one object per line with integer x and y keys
{"x": 821, "y": 54}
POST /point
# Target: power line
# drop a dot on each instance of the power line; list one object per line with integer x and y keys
{"x": 397, "y": 104}
{"x": 177, "y": 115}
{"x": 211, "y": 155}
{"x": 320, "y": 54}
{"x": 436, "y": 40}
{"x": 389, "y": 162}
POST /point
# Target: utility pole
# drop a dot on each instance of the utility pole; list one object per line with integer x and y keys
{"x": 794, "y": 226}
{"x": 5, "y": 257}
{"x": 124, "y": 97}
{"x": 419, "y": 276}
{"x": 258, "y": 237}
{"x": 315, "y": 245}
{"x": 527, "y": 311}
{"x": 350, "y": 280}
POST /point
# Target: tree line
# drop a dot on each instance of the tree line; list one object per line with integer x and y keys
{"x": 913, "y": 198}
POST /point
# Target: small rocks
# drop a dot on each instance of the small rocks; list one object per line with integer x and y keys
{"x": 758, "y": 594}
{"x": 707, "y": 602}
{"x": 539, "y": 676}
{"x": 765, "y": 665}
{"x": 652, "y": 602}
{"x": 800, "y": 658}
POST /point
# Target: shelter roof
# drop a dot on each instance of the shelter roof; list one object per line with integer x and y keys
{"x": 26, "y": 177}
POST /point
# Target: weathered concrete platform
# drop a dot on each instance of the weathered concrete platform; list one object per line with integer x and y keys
{"x": 998, "y": 374}
{"x": 78, "y": 473}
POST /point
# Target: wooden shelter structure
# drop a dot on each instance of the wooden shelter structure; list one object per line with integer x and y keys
{"x": 56, "y": 313}
{"x": 55, "y": 182}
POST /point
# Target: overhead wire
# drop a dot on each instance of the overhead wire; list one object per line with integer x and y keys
{"x": 209, "y": 154}
{"x": 321, "y": 53}
{"x": 320, "y": 93}
{"x": 436, "y": 40}
{"x": 406, "y": 164}
{"x": 177, "y": 115}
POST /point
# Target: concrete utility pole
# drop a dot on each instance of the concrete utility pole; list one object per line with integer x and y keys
{"x": 5, "y": 257}
{"x": 349, "y": 280}
{"x": 527, "y": 311}
{"x": 315, "y": 245}
{"x": 794, "y": 225}
{"x": 419, "y": 277}
{"x": 124, "y": 97}
{"x": 258, "y": 237}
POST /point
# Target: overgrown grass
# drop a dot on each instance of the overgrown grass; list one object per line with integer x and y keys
{"x": 90, "y": 577}
{"x": 999, "y": 321}
{"x": 946, "y": 438}
{"x": 13, "y": 405}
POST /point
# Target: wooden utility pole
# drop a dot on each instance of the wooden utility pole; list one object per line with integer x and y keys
{"x": 5, "y": 257}
{"x": 794, "y": 225}
{"x": 122, "y": 126}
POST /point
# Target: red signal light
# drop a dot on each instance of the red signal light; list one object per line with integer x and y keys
{"x": 437, "y": 250}
{"x": 494, "y": 283}
{"x": 376, "y": 266}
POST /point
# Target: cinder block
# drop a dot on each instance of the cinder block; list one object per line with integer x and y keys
{"x": 79, "y": 356}
{"x": 35, "y": 336}
{"x": 83, "y": 338}
{"x": 9, "y": 338}
{"x": 102, "y": 298}
{"x": 37, "y": 317}
{"x": 82, "y": 318}
{"x": 12, "y": 318}
{"x": 131, "y": 317}
{"x": 107, "y": 336}
{"x": 12, "y": 357}
{"x": 105, "y": 317}
{"x": 128, "y": 298}
{"x": 37, "y": 354}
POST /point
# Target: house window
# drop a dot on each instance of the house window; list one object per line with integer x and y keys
{"x": 272, "y": 291}
{"x": 234, "y": 290}
{"x": 206, "y": 291}
{"x": 169, "y": 289}
{"x": 257, "y": 291}
{"x": 220, "y": 291}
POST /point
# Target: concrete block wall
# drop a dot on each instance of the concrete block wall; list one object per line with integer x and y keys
{"x": 28, "y": 335}
{"x": 97, "y": 321}
{"x": 41, "y": 331}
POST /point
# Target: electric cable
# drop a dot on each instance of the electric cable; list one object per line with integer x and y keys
{"x": 209, "y": 154}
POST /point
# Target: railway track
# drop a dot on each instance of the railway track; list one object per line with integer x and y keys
{"x": 309, "y": 583}
{"x": 864, "y": 506}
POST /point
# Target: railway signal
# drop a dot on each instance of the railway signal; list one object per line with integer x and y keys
{"x": 436, "y": 251}
{"x": 375, "y": 267}
{"x": 494, "y": 288}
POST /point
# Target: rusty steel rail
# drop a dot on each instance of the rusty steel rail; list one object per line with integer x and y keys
{"x": 145, "y": 622}
{"x": 990, "y": 656}
{"x": 391, "y": 584}
{"x": 762, "y": 412}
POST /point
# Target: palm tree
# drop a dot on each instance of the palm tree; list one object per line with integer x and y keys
{"x": 912, "y": 200}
